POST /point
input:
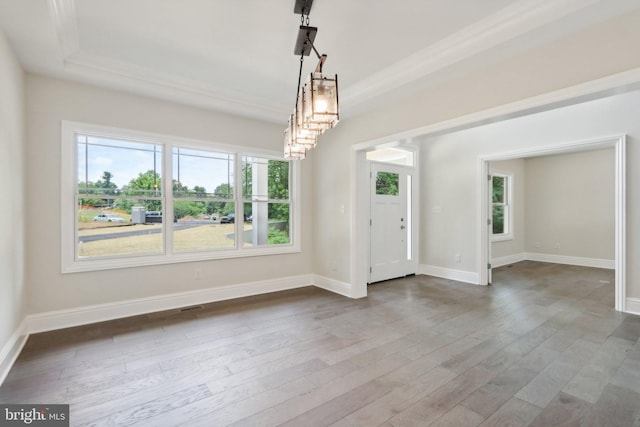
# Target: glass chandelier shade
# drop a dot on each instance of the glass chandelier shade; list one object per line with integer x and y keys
{"x": 318, "y": 103}
{"x": 294, "y": 135}
{"x": 316, "y": 107}
{"x": 293, "y": 152}
{"x": 297, "y": 141}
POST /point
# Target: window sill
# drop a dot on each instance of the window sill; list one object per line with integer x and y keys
{"x": 88, "y": 265}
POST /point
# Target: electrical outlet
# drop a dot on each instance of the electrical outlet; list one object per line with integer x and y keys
{"x": 537, "y": 244}
{"x": 198, "y": 274}
{"x": 458, "y": 258}
{"x": 557, "y": 246}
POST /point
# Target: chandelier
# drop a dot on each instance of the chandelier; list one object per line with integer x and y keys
{"x": 316, "y": 107}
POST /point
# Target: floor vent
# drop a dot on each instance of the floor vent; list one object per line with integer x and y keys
{"x": 194, "y": 307}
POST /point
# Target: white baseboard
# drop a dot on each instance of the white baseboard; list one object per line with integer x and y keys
{"x": 60, "y": 319}
{"x": 471, "y": 277}
{"x": 11, "y": 350}
{"x": 632, "y": 306}
{"x": 572, "y": 260}
{"x": 332, "y": 285}
{"x": 448, "y": 273}
{"x": 509, "y": 259}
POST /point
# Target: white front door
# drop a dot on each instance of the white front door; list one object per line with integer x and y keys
{"x": 391, "y": 228}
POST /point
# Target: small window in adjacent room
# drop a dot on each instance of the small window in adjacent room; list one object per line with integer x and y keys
{"x": 501, "y": 207}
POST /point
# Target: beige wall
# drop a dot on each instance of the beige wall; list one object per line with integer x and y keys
{"x": 593, "y": 53}
{"x": 561, "y": 200}
{"x": 610, "y": 116}
{"x": 49, "y": 101}
{"x": 13, "y": 294}
{"x": 570, "y": 203}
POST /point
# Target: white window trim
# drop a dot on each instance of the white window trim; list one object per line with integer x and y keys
{"x": 69, "y": 261}
{"x": 503, "y": 237}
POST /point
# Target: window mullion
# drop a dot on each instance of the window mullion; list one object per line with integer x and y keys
{"x": 239, "y": 201}
{"x": 167, "y": 199}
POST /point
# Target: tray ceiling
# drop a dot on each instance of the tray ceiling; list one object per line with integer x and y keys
{"x": 237, "y": 56}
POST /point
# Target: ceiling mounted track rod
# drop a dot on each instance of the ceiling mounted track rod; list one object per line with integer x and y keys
{"x": 302, "y": 7}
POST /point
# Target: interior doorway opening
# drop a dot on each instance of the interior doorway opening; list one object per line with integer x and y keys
{"x": 485, "y": 227}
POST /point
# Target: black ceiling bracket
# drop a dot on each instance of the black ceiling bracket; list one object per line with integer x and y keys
{"x": 304, "y": 42}
{"x": 302, "y": 7}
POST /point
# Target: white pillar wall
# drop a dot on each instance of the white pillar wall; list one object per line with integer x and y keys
{"x": 260, "y": 207}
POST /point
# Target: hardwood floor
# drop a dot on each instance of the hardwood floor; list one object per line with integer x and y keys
{"x": 542, "y": 346}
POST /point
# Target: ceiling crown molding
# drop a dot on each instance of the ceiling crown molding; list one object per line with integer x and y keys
{"x": 121, "y": 73}
{"x": 515, "y": 20}
{"x": 174, "y": 88}
{"x": 65, "y": 20}
{"x": 508, "y": 23}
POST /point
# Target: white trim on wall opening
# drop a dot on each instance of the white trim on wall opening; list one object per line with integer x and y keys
{"x": 600, "y": 88}
{"x": 619, "y": 143}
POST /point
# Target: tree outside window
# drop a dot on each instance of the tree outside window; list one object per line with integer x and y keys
{"x": 143, "y": 199}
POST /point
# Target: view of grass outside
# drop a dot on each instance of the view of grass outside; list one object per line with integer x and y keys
{"x": 127, "y": 238}
{"x": 120, "y": 210}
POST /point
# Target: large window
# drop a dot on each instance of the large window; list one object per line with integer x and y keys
{"x": 501, "y": 207}
{"x": 141, "y": 199}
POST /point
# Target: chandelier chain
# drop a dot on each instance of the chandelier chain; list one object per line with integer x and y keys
{"x": 299, "y": 79}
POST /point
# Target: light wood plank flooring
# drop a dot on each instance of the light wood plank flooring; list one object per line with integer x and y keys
{"x": 542, "y": 346}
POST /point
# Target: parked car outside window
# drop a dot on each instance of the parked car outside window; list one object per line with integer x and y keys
{"x": 108, "y": 218}
{"x": 228, "y": 219}
{"x": 153, "y": 216}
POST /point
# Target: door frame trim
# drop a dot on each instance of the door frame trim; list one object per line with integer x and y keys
{"x": 618, "y": 142}
{"x": 360, "y": 208}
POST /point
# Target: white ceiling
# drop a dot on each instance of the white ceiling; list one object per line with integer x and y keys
{"x": 237, "y": 56}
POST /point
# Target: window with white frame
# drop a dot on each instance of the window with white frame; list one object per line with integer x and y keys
{"x": 266, "y": 203}
{"x": 501, "y": 195}
{"x": 114, "y": 177}
{"x": 203, "y": 196}
{"x": 143, "y": 199}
